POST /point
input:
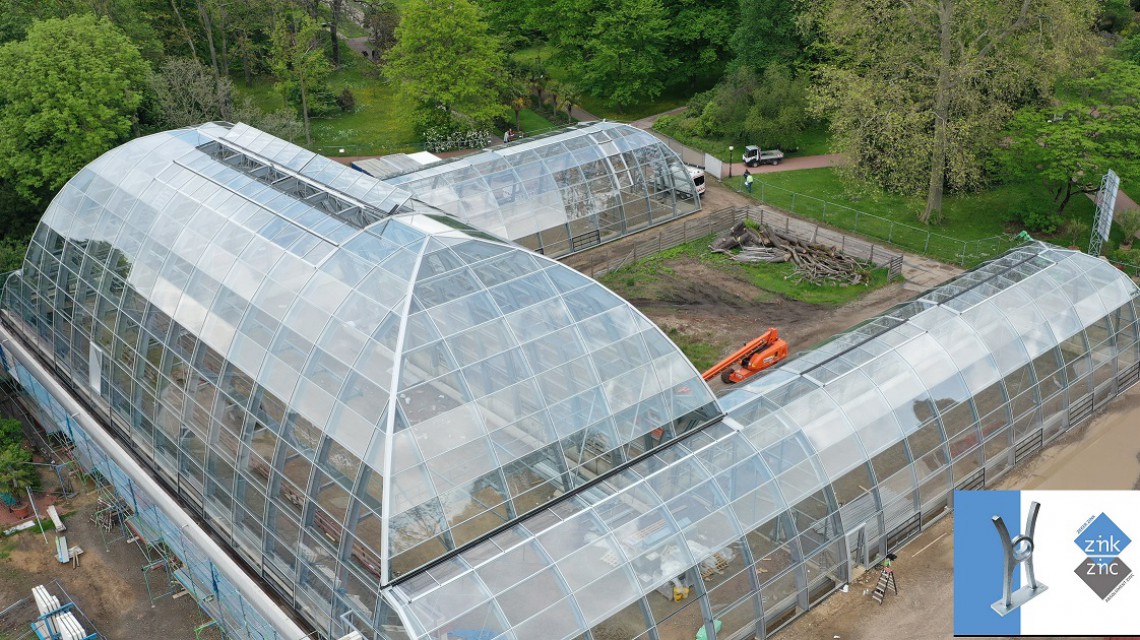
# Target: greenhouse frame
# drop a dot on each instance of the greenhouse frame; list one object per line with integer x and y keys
{"x": 401, "y": 425}
{"x": 561, "y": 192}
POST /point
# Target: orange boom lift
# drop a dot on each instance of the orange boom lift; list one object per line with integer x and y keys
{"x": 752, "y": 358}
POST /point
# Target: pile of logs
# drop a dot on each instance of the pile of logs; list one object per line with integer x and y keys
{"x": 815, "y": 263}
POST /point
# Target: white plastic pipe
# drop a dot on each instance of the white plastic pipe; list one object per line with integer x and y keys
{"x": 278, "y": 618}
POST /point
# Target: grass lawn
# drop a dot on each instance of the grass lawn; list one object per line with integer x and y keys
{"x": 813, "y": 142}
{"x": 635, "y": 281}
{"x": 703, "y": 353}
{"x": 533, "y": 123}
{"x": 349, "y": 29}
{"x": 967, "y": 217}
{"x": 677, "y": 96}
{"x": 381, "y": 123}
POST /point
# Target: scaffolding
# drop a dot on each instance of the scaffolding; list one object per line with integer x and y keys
{"x": 206, "y": 604}
{"x": 158, "y": 557}
{"x": 110, "y": 516}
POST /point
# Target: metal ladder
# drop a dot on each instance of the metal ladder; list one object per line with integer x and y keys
{"x": 886, "y": 581}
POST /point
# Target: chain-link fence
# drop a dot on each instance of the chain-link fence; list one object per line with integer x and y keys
{"x": 905, "y": 236}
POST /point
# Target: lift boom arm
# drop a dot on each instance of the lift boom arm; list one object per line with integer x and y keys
{"x": 758, "y": 354}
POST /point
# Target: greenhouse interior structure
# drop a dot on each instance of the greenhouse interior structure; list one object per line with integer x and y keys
{"x": 347, "y": 411}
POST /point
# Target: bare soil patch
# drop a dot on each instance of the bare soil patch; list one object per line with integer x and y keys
{"x": 708, "y": 305}
{"x": 108, "y": 585}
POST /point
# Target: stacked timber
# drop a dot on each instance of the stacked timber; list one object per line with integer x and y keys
{"x": 815, "y": 263}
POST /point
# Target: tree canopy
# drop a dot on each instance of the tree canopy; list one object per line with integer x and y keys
{"x": 616, "y": 50}
{"x": 299, "y": 62}
{"x": 767, "y": 34}
{"x": 445, "y": 56}
{"x": 70, "y": 90}
{"x": 1071, "y": 145}
{"x": 917, "y": 91}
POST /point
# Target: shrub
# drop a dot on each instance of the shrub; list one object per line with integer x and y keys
{"x": 1074, "y": 229}
{"x": 346, "y": 101}
{"x": 320, "y": 98}
{"x": 1040, "y": 221}
{"x": 1129, "y": 221}
{"x": 1126, "y": 256}
{"x": 444, "y": 131}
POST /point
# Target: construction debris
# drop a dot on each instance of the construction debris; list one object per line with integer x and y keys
{"x": 815, "y": 263}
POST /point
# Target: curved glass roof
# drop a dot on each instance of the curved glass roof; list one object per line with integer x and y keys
{"x": 561, "y": 192}
{"x": 833, "y": 458}
{"x": 455, "y": 381}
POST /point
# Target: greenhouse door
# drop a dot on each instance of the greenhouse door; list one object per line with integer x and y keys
{"x": 856, "y": 550}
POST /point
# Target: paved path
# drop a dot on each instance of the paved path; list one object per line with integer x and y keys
{"x": 791, "y": 164}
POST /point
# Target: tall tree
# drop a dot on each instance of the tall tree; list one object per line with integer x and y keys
{"x": 299, "y": 61}
{"x": 380, "y": 18}
{"x": 70, "y": 91}
{"x": 445, "y": 56}
{"x": 618, "y": 50}
{"x": 137, "y": 19}
{"x": 186, "y": 92}
{"x": 334, "y": 24}
{"x": 700, "y": 33}
{"x": 1071, "y": 145}
{"x": 924, "y": 109}
{"x": 767, "y": 34}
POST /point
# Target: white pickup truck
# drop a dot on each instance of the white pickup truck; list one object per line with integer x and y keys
{"x": 754, "y": 156}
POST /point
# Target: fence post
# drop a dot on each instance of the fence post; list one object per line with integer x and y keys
{"x": 856, "y": 221}
{"x": 872, "y": 254}
{"x": 793, "y": 202}
{"x": 825, "y": 210}
{"x": 891, "y": 234}
{"x": 926, "y": 247}
{"x": 762, "y": 199}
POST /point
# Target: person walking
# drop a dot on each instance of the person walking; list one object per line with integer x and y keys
{"x": 748, "y": 180}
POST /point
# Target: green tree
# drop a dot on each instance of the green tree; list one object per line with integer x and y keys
{"x": 767, "y": 34}
{"x": 445, "y": 56}
{"x": 135, "y": 18}
{"x": 70, "y": 91}
{"x": 16, "y": 470}
{"x": 700, "y": 32}
{"x": 11, "y": 432}
{"x": 778, "y": 114}
{"x": 1070, "y": 146}
{"x": 916, "y": 91}
{"x": 620, "y": 51}
{"x": 299, "y": 62}
{"x": 380, "y": 19}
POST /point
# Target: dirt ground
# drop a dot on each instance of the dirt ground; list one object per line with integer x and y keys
{"x": 108, "y": 585}
{"x": 1100, "y": 455}
{"x": 708, "y": 305}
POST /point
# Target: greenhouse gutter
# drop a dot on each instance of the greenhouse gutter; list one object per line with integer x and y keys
{"x": 280, "y": 619}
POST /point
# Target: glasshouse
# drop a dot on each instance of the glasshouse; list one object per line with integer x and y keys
{"x": 320, "y": 392}
{"x": 562, "y": 192}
